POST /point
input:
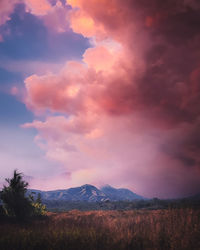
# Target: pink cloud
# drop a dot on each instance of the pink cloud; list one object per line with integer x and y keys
{"x": 81, "y": 87}
{"x": 38, "y": 7}
{"x": 57, "y": 19}
{"x": 54, "y": 17}
{"x": 130, "y": 108}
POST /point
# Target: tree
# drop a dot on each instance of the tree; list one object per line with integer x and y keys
{"x": 15, "y": 202}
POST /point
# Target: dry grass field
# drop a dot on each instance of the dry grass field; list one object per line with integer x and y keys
{"x": 138, "y": 229}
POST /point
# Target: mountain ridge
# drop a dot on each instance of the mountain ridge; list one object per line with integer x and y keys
{"x": 88, "y": 193}
{"x": 120, "y": 193}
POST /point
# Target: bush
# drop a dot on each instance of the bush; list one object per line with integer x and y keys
{"x": 39, "y": 208}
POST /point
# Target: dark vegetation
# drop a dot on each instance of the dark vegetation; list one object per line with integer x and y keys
{"x": 151, "y": 204}
{"x": 16, "y": 204}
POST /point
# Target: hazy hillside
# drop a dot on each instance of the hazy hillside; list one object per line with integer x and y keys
{"x": 120, "y": 194}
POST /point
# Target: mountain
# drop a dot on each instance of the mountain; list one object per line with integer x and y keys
{"x": 83, "y": 193}
{"x": 120, "y": 193}
{"x": 87, "y": 193}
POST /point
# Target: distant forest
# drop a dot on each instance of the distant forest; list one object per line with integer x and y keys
{"x": 151, "y": 204}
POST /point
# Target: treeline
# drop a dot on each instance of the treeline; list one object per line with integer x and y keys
{"x": 151, "y": 204}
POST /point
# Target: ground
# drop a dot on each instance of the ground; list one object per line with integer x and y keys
{"x": 137, "y": 229}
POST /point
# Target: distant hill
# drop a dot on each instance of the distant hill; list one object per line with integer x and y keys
{"x": 123, "y": 194}
{"x": 194, "y": 197}
{"x": 87, "y": 193}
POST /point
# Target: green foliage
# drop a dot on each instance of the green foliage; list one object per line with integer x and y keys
{"x": 39, "y": 208}
{"x": 15, "y": 201}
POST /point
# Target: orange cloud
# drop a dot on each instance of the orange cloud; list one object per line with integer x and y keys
{"x": 85, "y": 25}
{"x": 102, "y": 19}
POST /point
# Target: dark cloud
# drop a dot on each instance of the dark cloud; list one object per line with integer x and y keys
{"x": 165, "y": 35}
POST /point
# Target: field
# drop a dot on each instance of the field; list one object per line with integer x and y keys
{"x": 137, "y": 229}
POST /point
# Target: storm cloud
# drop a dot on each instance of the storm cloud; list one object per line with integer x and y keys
{"x": 129, "y": 111}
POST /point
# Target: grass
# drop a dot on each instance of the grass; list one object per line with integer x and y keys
{"x": 137, "y": 229}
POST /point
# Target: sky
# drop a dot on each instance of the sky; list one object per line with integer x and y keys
{"x": 101, "y": 92}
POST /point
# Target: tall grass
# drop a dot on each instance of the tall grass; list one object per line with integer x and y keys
{"x": 139, "y": 229}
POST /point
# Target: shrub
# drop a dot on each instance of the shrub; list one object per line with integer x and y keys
{"x": 39, "y": 208}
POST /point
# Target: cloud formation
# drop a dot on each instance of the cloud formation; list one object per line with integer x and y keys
{"x": 129, "y": 111}
{"x": 55, "y": 17}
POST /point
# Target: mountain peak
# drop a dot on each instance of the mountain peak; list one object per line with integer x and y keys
{"x": 88, "y": 186}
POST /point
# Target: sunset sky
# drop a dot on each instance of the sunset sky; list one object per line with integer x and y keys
{"x": 101, "y": 92}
